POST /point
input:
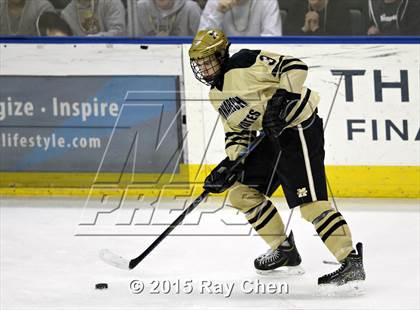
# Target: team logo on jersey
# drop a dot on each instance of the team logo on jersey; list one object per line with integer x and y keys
{"x": 231, "y": 105}
{"x": 302, "y": 192}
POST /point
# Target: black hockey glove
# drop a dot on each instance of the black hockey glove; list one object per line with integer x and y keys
{"x": 222, "y": 177}
{"x": 274, "y": 119}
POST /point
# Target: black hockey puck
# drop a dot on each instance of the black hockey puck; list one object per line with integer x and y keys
{"x": 101, "y": 286}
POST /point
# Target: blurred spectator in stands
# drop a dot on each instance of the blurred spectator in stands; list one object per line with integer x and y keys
{"x": 318, "y": 17}
{"x": 243, "y": 17}
{"x": 167, "y": 18}
{"x": 95, "y": 17}
{"x": 52, "y": 25}
{"x": 19, "y": 17}
{"x": 394, "y": 17}
{"x": 60, "y": 4}
{"x": 201, "y": 3}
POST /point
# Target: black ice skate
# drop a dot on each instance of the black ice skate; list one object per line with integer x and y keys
{"x": 284, "y": 260}
{"x": 349, "y": 276}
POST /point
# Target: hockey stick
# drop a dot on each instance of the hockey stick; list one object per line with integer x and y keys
{"x": 120, "y": 262}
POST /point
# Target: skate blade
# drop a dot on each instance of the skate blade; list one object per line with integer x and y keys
{"x": 282, "y": 271}
{"x": 353, "y": 288}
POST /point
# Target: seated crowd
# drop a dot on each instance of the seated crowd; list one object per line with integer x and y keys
{"x": 137, "y": 18}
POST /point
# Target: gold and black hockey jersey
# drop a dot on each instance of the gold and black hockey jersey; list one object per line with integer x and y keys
{"x": 251, "y": 78}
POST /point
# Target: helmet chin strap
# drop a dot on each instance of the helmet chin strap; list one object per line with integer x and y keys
{"x": 212, "y": 80}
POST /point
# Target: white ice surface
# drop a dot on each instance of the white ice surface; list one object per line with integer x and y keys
{"x": 45, "y": 266}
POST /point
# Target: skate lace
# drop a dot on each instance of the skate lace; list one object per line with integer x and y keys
{"x": 269, "y": 256}
{"x": 343, "y": 265}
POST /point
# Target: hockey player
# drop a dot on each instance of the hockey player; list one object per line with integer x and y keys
{"x": 255, "y": 91}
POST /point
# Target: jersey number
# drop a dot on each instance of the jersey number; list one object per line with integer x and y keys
{"x": 268, "y": 60}
{"x": 271, "y": 62}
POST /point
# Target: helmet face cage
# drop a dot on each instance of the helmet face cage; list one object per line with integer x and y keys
{"x": 213, "y": 64}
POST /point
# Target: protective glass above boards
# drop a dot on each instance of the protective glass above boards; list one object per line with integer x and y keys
{"x": 234, "y": 40}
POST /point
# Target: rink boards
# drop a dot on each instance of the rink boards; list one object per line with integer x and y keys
{"x": 157, "y": 134}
